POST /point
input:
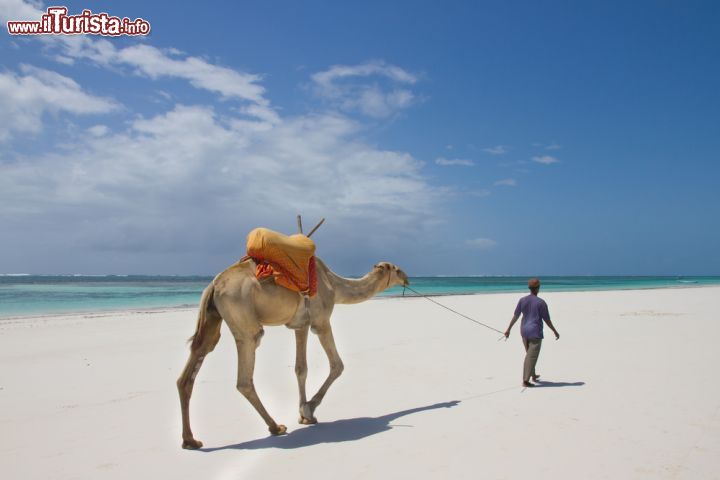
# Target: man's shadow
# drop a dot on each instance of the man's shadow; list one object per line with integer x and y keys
{"x": 332, "y": 432}
{"x": 546, "y": 383}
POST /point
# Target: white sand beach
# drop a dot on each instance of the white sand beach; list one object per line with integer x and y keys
{"x": 425, "y": 394}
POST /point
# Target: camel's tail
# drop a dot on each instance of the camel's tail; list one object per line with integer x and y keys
{"x": 208, "y": 318}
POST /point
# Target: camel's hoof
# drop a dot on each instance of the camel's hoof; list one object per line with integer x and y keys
{"x": 278, "y": 430}
{"x": 306, "y": 413}
{"x": 192, "y": 444}
{"x": 307, "y": 421}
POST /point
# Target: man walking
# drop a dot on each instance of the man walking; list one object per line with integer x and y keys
{"x": 534, "y": 311}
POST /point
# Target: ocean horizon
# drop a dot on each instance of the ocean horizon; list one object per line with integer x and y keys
{"x": 32, "y": 295}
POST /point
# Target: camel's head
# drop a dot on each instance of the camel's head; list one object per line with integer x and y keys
{"x": 394, "y": 274}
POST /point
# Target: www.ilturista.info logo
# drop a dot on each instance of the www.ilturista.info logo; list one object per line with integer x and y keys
{"x": 57, "y": 22}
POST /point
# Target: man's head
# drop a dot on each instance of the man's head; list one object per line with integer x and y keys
{"x": 534, "y": 285}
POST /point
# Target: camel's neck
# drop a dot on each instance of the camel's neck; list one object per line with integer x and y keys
{"x": 355, "y": 290}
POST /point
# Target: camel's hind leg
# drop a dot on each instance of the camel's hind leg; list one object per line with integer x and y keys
{"x": 336, "y": 368}
{"x": 246, "y": 365}
{"x": 210, "y": 337}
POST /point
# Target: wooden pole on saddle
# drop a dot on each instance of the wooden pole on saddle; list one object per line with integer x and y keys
{"x": 300, "y": 229}
{"x": 316, "y": 227}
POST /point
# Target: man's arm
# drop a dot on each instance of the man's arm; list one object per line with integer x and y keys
{"x": 512, "y": 322}
{"x": 546, "y": 319}
{"x": 549, "y": 324}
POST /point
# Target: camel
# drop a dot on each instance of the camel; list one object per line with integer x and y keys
{"x": 247, "y": 305}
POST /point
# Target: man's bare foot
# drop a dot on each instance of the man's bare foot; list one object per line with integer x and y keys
{"x": 535, "y": 378}
{"x": 528, "y": 384}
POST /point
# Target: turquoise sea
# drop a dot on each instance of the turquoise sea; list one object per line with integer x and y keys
{"x": 24, "y": 295}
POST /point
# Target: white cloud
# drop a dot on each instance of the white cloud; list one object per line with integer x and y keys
{"x": 506, "y": 182}
{"x": 189, "y": 180}
{"x": 164, "y": 94}
{"x": 445, "y": 162}
{"x": 328, "y": 77}
{"x": 26, "y": 97}
{"x": 154, "y": 63}
{"x": 545, "y": 159}
{"x": 346, "y": 87}
{"x": 20, "y": 10}
{"x": 27, "y": 110}
{"x": 496, "y": 150}
{"x": 481, "y": 243}
{"x": 98, "y": 130}
{"x": 193, "y": 180}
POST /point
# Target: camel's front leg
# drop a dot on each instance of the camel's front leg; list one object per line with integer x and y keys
{"x": 301, "y": 337}
{"x": 336, "y": 368}
{"x": 246, "y": 366}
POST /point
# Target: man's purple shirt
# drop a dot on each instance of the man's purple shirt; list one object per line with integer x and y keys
{"x": 534, "y": 310}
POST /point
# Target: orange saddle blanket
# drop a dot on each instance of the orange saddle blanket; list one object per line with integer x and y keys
{"x": 290, "y": 260}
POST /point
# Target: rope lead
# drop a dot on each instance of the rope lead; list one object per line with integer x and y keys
{"x": 454, "y": 311}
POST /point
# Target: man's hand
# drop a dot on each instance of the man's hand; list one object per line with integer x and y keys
{"x": 557, "y": 335}
{"x": 512, "y": 322}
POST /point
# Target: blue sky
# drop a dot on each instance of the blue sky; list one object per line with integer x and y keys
{"x": 452, "y": 138}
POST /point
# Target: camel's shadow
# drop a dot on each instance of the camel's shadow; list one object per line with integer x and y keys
{"x": 332, "y": 432}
